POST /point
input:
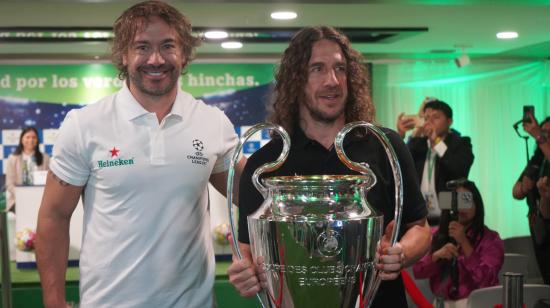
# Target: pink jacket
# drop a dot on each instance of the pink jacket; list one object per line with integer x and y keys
{"x": 480, "y": 270}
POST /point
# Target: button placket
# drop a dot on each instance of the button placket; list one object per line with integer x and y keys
{"x": 156, "y": 137}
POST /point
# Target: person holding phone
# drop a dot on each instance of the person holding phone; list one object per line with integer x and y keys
{"x": 412, "y": 121}
{"x": 526, "y": 188}
{"x": 538, "y": 132}
{"x": 477, "y": 252}
{"x": 440, "y": 154}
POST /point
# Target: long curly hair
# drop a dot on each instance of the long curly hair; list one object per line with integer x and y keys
{"x": 136, "y": 19}
{"x": 292, "y": 75}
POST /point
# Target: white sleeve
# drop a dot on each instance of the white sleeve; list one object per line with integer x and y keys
{"x": 228, "y": 143}
{"x": 69, "y": 158}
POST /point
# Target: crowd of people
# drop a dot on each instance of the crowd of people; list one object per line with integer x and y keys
{"x": 145, "y": 232}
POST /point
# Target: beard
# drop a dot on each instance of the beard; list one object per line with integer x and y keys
{"x": 322, "y": 116}
{"x": 156, "y": 89}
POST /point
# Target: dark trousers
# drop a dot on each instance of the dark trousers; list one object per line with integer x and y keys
{"x": 542, "y": 254}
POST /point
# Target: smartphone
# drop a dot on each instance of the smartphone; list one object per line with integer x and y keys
{"x": 528, "y": 110}
{"x": 465, "y": 200}
{"x": 418, "y": 120}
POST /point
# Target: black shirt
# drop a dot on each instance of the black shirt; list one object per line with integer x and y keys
{"x": 308, "y": 157}
{"x": 537, "y": 167}
{"x": 454, "y": 164}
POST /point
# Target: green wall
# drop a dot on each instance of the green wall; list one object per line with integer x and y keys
{"x": 487, "y": 98}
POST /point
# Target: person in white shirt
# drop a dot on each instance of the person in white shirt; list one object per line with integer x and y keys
{"x": 141, "y": 159}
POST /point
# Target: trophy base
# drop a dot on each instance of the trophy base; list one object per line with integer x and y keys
{"x": 317, "y": 263}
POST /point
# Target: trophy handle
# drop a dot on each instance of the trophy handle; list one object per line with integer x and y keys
{"x": 365, "y": 169}
{"x": 267, "y": 167}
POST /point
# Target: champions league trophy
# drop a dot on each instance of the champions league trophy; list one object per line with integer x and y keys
{"x": 317, "y": 235}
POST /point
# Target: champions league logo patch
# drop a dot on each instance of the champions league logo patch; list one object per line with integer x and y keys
{"x": 116, "y": 160}
{"x": 198, "y": 158}
{"x": 198, "y": 145}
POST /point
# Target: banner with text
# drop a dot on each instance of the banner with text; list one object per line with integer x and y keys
{"x": 41, "y": 95}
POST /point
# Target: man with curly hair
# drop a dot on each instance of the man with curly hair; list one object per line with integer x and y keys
{"x": 321, "y": 85}
{"x": 141, "y": 159}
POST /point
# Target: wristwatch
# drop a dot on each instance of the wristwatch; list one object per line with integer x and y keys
{"x": 541, "y": 139}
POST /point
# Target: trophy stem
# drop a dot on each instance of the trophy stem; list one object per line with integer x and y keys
{"x": 268, "y": 167}
{"x": 365, "y": 169}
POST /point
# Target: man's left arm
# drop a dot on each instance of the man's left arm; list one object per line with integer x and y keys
{"x": 413, "y": 245}
{"x": 219, "y": 180}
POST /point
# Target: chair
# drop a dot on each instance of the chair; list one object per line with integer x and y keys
{"x": 524, "y": 245}
{"x": 515, "y": 263}
{"x": 489, "y": 297}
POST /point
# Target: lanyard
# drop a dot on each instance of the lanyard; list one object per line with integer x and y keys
{"x": 431, "y": 163}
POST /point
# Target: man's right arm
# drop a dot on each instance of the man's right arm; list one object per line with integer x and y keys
{"x": 52, "y": 241}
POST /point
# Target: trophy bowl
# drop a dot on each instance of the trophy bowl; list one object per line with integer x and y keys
{"x": 316, "y": 236}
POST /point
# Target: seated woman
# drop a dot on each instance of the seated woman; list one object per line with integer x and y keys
{"x": 470, "y": 258}
{"x": 22, "y": 162}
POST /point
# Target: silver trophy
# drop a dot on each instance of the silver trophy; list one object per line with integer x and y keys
{"x": 317, "y": 236}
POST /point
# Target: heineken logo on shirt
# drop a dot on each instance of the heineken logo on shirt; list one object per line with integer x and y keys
{"x": 198, "y": 158}
{"x": 115, "y": 160}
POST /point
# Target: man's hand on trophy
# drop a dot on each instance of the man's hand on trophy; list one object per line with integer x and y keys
{"x": 390, "y": 258}
{"x": 243, "y": 274}
{"x": 260, "y": 271}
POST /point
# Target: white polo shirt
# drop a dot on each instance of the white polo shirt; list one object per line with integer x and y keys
{"x": 146, "y": 237}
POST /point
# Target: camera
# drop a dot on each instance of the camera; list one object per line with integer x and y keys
{"x": 463, "y": 60}
{"x": 418, "y": 120}
{"x": 465, "y": 200}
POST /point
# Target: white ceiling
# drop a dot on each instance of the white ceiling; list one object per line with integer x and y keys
{"x": 452, "y": 23}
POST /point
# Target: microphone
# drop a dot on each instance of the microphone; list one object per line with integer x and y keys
{"x": 452, "y": 184}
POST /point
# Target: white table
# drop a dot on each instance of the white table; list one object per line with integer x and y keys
{"x": 28, "y": 200}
